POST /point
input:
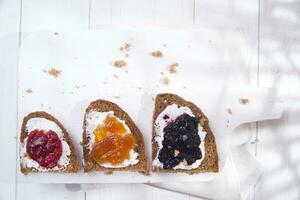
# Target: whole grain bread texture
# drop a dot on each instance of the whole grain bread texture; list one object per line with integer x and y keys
{"x": 210, "y": 161}
{"x": 72, "y": 167}
{"x": 106, "y": 106}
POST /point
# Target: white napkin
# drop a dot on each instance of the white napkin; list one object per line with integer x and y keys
{"x": 238, "y": 177}
{"x": 241, "y": 170}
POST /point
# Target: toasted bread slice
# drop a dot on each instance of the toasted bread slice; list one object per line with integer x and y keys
{"x": 73, "y": 165}
{"x": 210, "y": 160}
{"x": 107, "y": 106}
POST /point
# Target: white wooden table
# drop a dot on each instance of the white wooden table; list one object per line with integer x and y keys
{"x": 270, "y": 56}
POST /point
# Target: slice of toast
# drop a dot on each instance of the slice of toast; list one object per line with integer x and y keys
{"x": 210, "y": 160}
{"x": 72, "y": 167}
{"x": 106, "y": 106}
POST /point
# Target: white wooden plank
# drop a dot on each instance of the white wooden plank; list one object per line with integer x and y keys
{"x": 132, "y": 12}
{"x": 237, "y": 22}
{"x": 9, "y": 46}
{"x": 142, "y": 13}
{"x": 100, "y": 13}
{"x": 174, "y": 13}
{"x": 132, "y": 191}
{"x": 233, "y": 14}
{"x": 47, "y": 192}
{"x": 279, "y": 142}
{"x": 54, "y": 15}
{"x": 121, "y": 12}
{"x": 8, "y": 93}
{"x": 168, "y": 195}
{"x": 120, "y": 191}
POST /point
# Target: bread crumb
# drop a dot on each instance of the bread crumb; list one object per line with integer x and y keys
{"x": 54, "y": 72}
{"x": 254, "y": 141}
{"x": 153, "y": 98}
{"x": 157, "y": 54}
{"x": 166, "y": 81}
{"x": 28, "y": 90}
{"x": 55, "y": 33}
{"x": 173, "y": 68}
{"x": 162, "y": 73}
{"x": 244, "y": 101}
{"x": 108, "y": 173}
{"x": 42, "y": 105}
{"x": 120, "y": 63}
{"x": 117, "y": 97}
{"x": 229, "y": 111}
{"x": 115, "y": 76}
{"x": 126, "y": 46}
{"x": 126, "y": 55}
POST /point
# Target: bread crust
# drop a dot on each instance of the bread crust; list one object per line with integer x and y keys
{"x": 90, "y": 165}
{"x": 73, "y": 166}
{"x": 210, "y": 161}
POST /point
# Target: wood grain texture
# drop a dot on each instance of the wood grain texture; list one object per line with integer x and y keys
{"x": 9, "y": 46}
{"x": 54, "y": 15}
{"x": 279, "y": 140}
{"x": 237, "y": 21}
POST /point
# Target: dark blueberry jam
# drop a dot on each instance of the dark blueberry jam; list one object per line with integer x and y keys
{"x": 181, "y": 142}
{"x": 166, "y": 117}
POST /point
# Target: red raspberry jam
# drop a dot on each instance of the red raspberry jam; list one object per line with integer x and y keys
{"x": 44, "y": 147}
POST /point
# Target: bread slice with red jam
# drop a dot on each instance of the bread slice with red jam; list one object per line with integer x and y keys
{"x": 182, "y": 140}
{"x": 111, "y": 140}
{"x": 45, "y": 146}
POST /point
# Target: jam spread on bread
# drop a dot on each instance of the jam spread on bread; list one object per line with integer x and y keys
{"x": 112, "y": 142}
{"x": 44, "y": 147}
{"x": 181, "y": 142}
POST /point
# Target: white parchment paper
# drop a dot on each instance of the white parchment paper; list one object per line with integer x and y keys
{"x": 86, "y": 58}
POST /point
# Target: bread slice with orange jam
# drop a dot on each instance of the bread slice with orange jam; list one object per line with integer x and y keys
{"x": 45, "y": 146}
{"x": 111, "y": 140}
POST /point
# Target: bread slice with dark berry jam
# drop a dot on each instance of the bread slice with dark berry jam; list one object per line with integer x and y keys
{"x": 177, "y": 143}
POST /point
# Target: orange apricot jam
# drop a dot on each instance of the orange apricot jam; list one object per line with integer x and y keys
{"x": 112, "y": 142}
